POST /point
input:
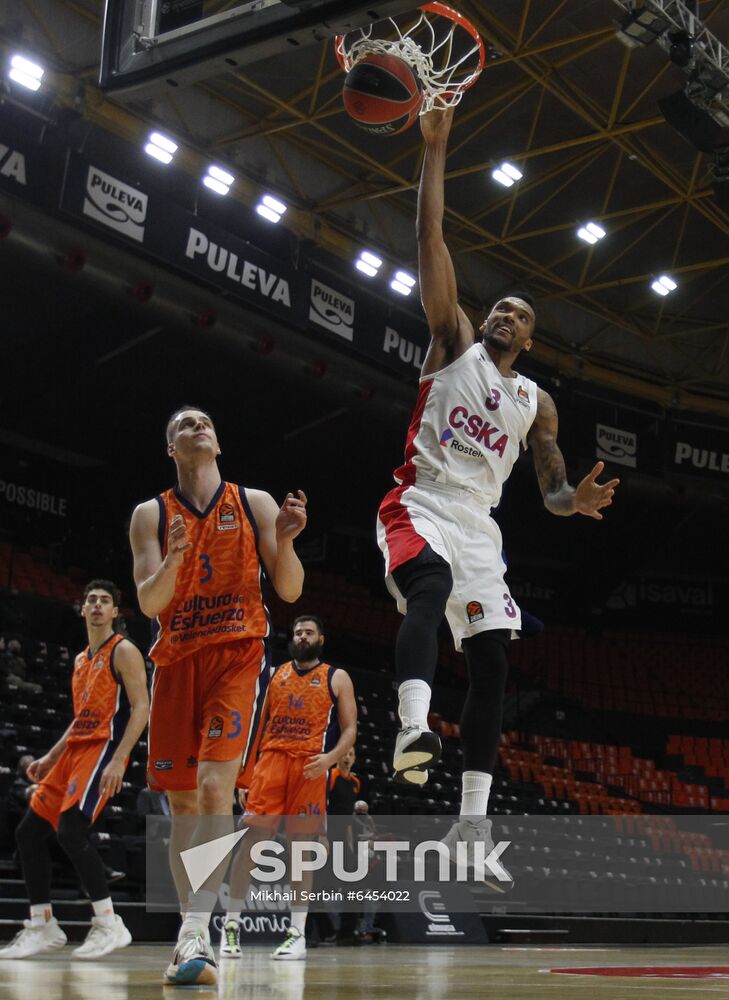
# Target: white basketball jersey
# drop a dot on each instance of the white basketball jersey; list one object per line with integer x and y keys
{"x": 468, "y": 425}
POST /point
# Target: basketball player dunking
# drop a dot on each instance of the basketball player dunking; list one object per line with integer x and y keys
{"x": 197, "y": 569}
{"x": 442, "y": 548}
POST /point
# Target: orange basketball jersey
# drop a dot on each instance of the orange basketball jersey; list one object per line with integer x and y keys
{"x": 100, "y": 703}
{"x": 302, "y": 711}
{"x": 218, "y": 592}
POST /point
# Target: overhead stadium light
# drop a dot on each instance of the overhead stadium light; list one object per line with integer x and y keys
{"x": 160, "y": 147}
{"x": 402, "y": 282}
{"x": 591, "y": 233}
{"x": 271, "y": 208}
{"x": 218, "y": 180}
{"x": 664, "y": 285}
{"x": 28, "y": 74}
{"x": 641, "y": 26}
{"x": 368, "y": 263}
{"x": 507, "y": 174}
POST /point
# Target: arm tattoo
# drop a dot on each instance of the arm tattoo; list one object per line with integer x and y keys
{"x": 548, "y": 460}
{"x": 551, "y": 471}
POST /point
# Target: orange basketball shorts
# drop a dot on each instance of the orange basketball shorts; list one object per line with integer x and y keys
{"x": 206, "y": 706}
{"x": 74, "y": 780}
{"x": 279, "y": 788}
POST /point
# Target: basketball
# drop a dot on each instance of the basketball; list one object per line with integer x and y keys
{"x": 382, "y": 94}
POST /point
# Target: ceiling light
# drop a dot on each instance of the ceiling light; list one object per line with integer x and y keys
{"x": 271, "y": 208}
{"x": 368, "y": 263}
{"x": 405, "y": 278}
{"x": 507, "y": 174}
{"x": 591, "y": 233}
{"x": 28, "y": 74}
{"x": 402, "y": 282}
{"x": 664, "y": 285}
{"x": 160, "y": 147}
{"x": 218, "y": 180}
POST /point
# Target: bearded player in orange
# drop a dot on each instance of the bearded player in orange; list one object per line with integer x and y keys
{"x": 199, "y": 552}
{"x": 78, "y": 775}
{"x": 310, "y": 724}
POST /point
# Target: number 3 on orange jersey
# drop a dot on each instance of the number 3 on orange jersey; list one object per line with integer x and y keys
{"x": 205, "y": 567}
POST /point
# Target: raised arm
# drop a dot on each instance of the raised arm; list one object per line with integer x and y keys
{"x": 559, "y": 497}
{"x": 277, "y": 529}
{"x": 450, "y": 329}
{"x": 154, "y": 576}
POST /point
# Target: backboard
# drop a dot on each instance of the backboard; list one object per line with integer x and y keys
{"x": 155, "y": 45}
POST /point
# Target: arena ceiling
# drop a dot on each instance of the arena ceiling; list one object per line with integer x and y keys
{"x": 561, "y": 97}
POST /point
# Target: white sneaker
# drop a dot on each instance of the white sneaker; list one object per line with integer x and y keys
{"x": 292, "y": 948}
{"x": 469, "y": 832}
{"x": 193, "y": 963}
{"x": 103, "y": 938}
{"x": 230, "y": 940}
{"x": 34, "y": 939}
{"x": 416, "y": 748}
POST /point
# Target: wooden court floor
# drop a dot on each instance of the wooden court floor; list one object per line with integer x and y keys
{"x": 382, "y": 972}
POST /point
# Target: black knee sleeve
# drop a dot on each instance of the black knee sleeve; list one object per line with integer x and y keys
{"x": 488, "y": 667}
{"x": 73, "y": 836}
{"x": 32, "y": 835}
{"x": 426, "y": 583}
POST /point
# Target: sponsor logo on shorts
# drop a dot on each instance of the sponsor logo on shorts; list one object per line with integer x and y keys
{"x": 71, "y": 790}
{"x": 226, "y": 518}
{"x": 474, "y": 611}
{"x": 192, "y": 761}
{"x": 163, "y": 765}
{"x": 216, "y": 727}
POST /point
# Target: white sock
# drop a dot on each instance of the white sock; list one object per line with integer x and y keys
{"x": 197, "y": 923}
{"x": 40, "y": 913}
{"x": 233, "y": 915}
{"x": 475, "y": 795}
{"x": 104, "y": 911}
{"x": 414, "y": 703}
{"x": 298, "y": 920}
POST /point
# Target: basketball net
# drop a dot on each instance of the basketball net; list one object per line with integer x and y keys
{"x": 444, "y": 49}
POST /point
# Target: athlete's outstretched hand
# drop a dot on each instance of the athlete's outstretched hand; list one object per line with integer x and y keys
{"x": 436, "y": 124}
{"x": 177, "y": 541}
{"x": 591, "y": 496}
{"x": 291, "y": 519}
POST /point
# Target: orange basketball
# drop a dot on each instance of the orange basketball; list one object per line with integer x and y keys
{"x": 382, "y": 94}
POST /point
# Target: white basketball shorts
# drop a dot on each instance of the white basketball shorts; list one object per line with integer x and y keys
{"x": 459, "y": 527}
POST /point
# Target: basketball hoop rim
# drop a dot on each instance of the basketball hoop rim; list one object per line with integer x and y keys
{"x": 443, "y": 10}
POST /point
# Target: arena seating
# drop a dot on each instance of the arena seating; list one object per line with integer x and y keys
{"x": 660, "y": 676}
{"x": 538, "y": 772}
